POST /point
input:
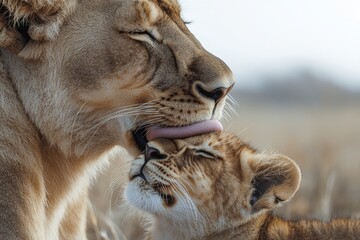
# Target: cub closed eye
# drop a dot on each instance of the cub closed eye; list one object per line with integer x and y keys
{"x": 205, "y": 154}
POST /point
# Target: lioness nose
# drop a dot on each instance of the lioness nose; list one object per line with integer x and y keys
{"x": 216, "y": 94}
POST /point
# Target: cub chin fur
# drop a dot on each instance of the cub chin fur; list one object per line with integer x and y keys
{"x": 215, "y": 186}
{"x": 77, "y": 78}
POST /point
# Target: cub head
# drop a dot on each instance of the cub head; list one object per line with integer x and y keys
{"x": 214, "y": 180}
{"x": 115, "y": 68}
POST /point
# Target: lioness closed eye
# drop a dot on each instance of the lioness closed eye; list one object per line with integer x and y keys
{"x": 215, "y": 186}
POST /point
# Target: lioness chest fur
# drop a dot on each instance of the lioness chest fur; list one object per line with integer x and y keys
{"x": 215, "y": 186}
{"x": 79, "y": 79}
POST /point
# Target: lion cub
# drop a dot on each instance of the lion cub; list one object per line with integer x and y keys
{"x": 215, "y": 186}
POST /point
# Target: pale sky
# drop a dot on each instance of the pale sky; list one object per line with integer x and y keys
{"x": 260, "y": 37}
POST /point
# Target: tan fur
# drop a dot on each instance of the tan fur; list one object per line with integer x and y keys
{"x": 72, "y": 93}
{"x": 43, "y": 19}
{"x": 215, "y": 186}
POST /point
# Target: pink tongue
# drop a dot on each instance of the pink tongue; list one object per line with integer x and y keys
{"x": 186, "y": 131}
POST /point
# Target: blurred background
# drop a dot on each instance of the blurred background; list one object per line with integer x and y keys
{"x": 262, "y": 40}
{"x": 297, "y": 65}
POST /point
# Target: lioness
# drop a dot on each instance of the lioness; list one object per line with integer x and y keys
{"x": 215, "y": 186}
{"x": 71, "y": 92}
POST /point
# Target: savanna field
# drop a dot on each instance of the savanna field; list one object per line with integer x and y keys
{"x": 313, "y": 122}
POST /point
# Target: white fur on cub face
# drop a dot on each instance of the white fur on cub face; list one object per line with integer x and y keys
{"x": 143, "y": 196}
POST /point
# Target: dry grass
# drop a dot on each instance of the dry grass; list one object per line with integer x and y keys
{"x": 324, "y": 141}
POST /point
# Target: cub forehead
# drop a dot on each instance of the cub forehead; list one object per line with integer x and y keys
{"x": 164, "y": 145}
{"x": 210, "y": 138}
{"x": 213, "y": 140}
{"x": 224, "y": 144}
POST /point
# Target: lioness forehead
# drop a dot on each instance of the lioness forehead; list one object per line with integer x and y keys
{"x": 132, "y": 16}
{"x": 170, "y": 7}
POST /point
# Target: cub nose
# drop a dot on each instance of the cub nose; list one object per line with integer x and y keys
{"x": 216, "y": 94}
{"x": 152, "y": 153}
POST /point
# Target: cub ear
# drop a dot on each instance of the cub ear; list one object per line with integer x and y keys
{"x": 275, "y": 179}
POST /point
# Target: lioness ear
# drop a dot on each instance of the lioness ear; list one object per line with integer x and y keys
{"x": 26, "y": 25}
{"x": 15, "y": 38}
{"x": 275, "y": 179}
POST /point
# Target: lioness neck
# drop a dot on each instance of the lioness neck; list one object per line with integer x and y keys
{"x": 265, "y": 227}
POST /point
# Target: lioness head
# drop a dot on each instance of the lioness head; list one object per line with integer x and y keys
{"x": 115, "y": 68}
{"x": 210, "y": 181}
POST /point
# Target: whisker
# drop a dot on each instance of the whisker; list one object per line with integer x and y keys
{"x": 244, "y": 130}
{"x": 232, "y": 100}
{"x": 135, "y": 110}
{"x": 73, "y": 125}
{"x": 192, "y": 206}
